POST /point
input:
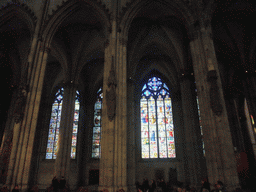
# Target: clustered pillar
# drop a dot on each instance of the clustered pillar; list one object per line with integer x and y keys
{"x": 113, "y": 164}
{"x": 24, "y": 130}
{"x": 219, "y": 151}
{"x": 194, "y": 152}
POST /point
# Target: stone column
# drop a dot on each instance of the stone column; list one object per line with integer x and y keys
{"x": 131, "y": 134}
{"x": 219, "y": 150}
{"x": 62, "y": 162}
{"x": 24, "y": 131}
{"x": 250, "y": 87}
{"x": 121, "y": 116}
{"x": 113, "y": 163}
{"x": 178, "y": 122}
{"x": 193, "y": 141}
{"x": 107, "y": 133}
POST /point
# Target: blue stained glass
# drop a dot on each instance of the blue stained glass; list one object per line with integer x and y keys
{"x": 165, "y": 86}
{"x": 60, "y": 97}
{"x": 198, "y": 108}
{"x": 144, "y": 87}
{"x": 162, "y": 92}
{"x": 147, "y": 93}
{"x": 154, "y": 84}
{"x": 157, "y": 134}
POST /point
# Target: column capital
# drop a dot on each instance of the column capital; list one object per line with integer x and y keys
{"x": 206, "y": 29}
{"x": 194, "y": 31}
{"x": 198, "y": 29}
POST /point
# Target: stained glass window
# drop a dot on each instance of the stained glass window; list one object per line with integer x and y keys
{"x": 54, "y": 126}
{"x": 97, "y": 125}
{"x": 75, "y": 126}
{"x": 157, "y": 131}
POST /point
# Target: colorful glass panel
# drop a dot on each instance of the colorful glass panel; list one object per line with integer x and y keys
{"x": 97, "y": 125}
{"x": 75, "y": 126}
{"x": 52, "y": 143}
{"x": 201, "y": 128}
{"x": 157, "y": 134}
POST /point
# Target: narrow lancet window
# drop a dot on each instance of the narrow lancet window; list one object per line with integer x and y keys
{"x": 75, "y": 126}
{"x": 52, "y": 144}
{"x": 97, "y": 125}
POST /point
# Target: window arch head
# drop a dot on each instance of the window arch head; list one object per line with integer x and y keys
{"x": 157, "y": 130}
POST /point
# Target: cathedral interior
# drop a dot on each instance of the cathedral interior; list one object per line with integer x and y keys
{"x": 107, "y": 93}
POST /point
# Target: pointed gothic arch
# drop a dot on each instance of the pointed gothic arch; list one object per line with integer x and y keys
{"x": 20, "y": 11}
{"x": 128, "y": 16}
{"x": 66, "y": 10}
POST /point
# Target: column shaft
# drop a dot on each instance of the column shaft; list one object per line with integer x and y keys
{"x": 62, "y": 163}
{"x": 113, "y": 164}
{"x": 192, "y": 132}
{"x": 221, "y": 163}
{"x": 24, "y": 132}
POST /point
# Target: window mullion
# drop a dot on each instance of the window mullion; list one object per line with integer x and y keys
{"x": 157, "y": 127}
{"x": 148, "y": 128}
{"x": 165, "y": 117}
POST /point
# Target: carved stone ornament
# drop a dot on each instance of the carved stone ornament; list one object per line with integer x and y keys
{"x": 215, "y": 100}
{"x": 111, "y": 94}
{"x": 20, "y": 103}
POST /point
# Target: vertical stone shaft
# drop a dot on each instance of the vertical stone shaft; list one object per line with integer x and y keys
{"x": 24, "y": 131}
{"x": 21, "y": 155}
{"x": 221, "y": 163}
{"x": 62, "y": 163}
{"x": 107, "y": 134}
{"x": 113, "y": 162}
{"x": 194, "y": 153}
{"x": 121, "y": 131}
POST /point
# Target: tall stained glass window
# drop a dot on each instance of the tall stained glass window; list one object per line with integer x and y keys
{"x": 52, "y": 144}
{"x": 157, "y": 131}
{"x": 75, "y": 126}
{"x": 97, "y": 125}
{"x": 54, "y": 126}
{"x": 200, "y": 124}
